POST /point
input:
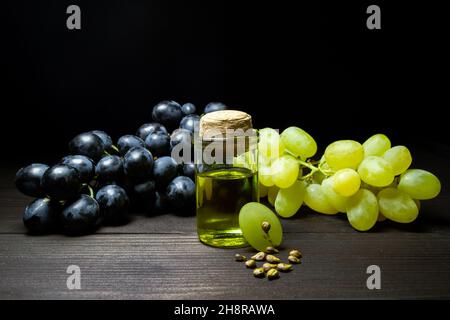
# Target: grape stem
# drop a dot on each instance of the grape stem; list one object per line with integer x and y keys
{"x": 327, "y": 172}
{"x": 113, "y": 147}
{"x": 91, "y": 190}
{"x": 308, "y": 165}
{"x": 313, "y": 169}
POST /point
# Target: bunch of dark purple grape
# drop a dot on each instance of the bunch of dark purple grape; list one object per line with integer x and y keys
{"x": 99, "y": 183}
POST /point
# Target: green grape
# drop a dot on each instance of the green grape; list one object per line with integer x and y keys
{"x": 318, "y": 177}
{"x": 371, "y": 188}
{"x": 289, "y": 200}
{"x": 362, "y": 210}
{"x": 300, "y": 173}
{"x": 399, "y": 158}
{"x": 263, "y": 191}
{"x": 245, "y": 160}
{"x": 251, "y": 216}
{"x": 376, "y": 171}
{"x": 344, "y": 154}
{"x": 265, "y": 176}
{"x": 419, "y": 184}
{"x": 285, "y": 171}
{"x": 272, "y": 195}
{"x": 264, "y": 161}
{"x": 336, "y": 200}
{"x": 376, "y": 145}
{"x": 299, "y": 142}
{"x": 397, "y": 206}
{"x": 317, "y": 201}
{"x": 346, "y": 182}
{"x": 269, "y": 144}
{"x": 323, "y": 161}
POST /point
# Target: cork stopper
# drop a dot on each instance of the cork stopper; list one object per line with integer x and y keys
{"x": 223, "y": 120}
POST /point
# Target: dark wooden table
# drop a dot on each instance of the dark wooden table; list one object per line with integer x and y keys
{"x": 160, "y": 257}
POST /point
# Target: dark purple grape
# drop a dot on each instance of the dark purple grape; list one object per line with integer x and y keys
{"x": 158, "y": 143}
{"x": 188, "y": 108}
{"x": 164, "y": 170}
{"x": 168, "y": 113}
{"x": 109, "y": 169}
{"x": 114, "y": 203}
{"x": 189, "y": 170}
{"x": 84, "y": 165}
{"x": 80, "y": 216}
{"x": 214, "y": 106}
{"x": 149, "y": 128}
{"x": 181, "y": 193}
{"x": 87, "y": 144}
{"x": 61, "y": 182}
{"x": 190, "y": 122}
{"x": 41, "y": 216}
{"x": 106, "y": 139}
{"x": 138, "y": 164}
{"x": 142, "y": 196}
{"x": 145, "y": 190}
{"x": 181, "y": 145}
{"x": 129, "y": 141}
{"x": 180, "y": 136}
{"x": 28, "y": 179}
{"x": 160, "y": 203}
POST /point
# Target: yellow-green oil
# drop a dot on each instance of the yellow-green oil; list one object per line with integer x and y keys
{"x": 221, "y": 193}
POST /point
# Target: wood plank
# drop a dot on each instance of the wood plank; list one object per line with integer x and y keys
{"x": 160, "y": 257}
{"x": 179, "y": 267}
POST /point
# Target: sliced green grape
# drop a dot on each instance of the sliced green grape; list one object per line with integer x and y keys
{"x": 265, "y": 176}
{"x": 251, "y": 216}
{"x": 344, "y": 154}
{"x": 376, "y": 145}
{"x": 285, "y": 171}
{"x": 346, "y": 182}
{"x": 289, "y": 200}
{"x": 417, "y": 203}
{"x": 299, "y": 142}
{"x": 419, "y": 184}
{"x": 397, "y": 205}
{"x": 362, "y": 210}
{"x": 376, "y": 171}
{"x": 336, "y": 200}
{"x": 399, "y": 158}
{"x": 272, "y": 195}
{"x": 269, "y": 144}
{"x": 317, "y": 201}
{"x": 263, "y": 191}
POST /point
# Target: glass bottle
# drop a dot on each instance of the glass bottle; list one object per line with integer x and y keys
{"x": 226, "y": 158}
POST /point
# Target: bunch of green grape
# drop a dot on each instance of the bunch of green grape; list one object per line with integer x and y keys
{"x": 369, "y": 182}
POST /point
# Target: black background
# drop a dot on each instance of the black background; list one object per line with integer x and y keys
{"x": 312, "y": 64}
